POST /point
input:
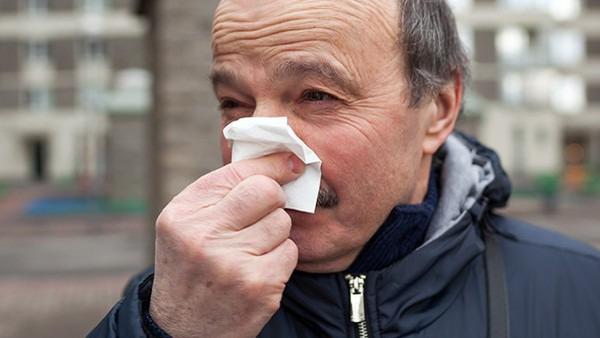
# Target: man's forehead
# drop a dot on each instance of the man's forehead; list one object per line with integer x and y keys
{"x": 262, "y": 14}
{"x": 334, "y": 40}
{"x": 267, "y": 27}
{"x": 270, "y": 7}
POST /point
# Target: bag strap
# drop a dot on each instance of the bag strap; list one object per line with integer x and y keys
{"x": 497, "y": 298}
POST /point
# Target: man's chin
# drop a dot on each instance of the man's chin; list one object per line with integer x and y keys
{"x": 318, "y": 262}
{"x": 313, "y": 234}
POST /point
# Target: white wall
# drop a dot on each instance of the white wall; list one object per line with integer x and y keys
{"x": 62, "y": 132}
{"x": 13, "y": 156}
{"x": 527, "y": 141}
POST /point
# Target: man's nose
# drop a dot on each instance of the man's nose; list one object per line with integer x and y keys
{"x": 270, "y": 109}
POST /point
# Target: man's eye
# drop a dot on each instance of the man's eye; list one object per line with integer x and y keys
{"x": 315, "y": 95}
{"x": 228, "y": 104}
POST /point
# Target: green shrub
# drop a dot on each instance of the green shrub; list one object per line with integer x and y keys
{"x": 547, "y": 184}
{"x": 592, "y": 185}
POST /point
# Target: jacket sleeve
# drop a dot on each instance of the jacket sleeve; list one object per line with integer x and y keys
{"x": 125, "y": 319}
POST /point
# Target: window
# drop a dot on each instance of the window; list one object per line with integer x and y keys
{"x": 38, "y": 99}
{"x": 512, "y": 43}
{"x": 564, "y": 9}
{"x": 467, "y": 37}
{"x": 92, "y": 98}
{"x": 566, "y": 46}
{"x": 35, "y": 7}
{"x": 559, "y": 9}
{"x": 460, "y": 5}
{"x": 37, "y": 51}
{"x": 537, "y": 86}
{"x": 94, "y": 49}
{"x": 568, "y": 94}
{"x": 94, "y": 6}
{"x": 522, "y": 4}
{"x": 512, "y": 89}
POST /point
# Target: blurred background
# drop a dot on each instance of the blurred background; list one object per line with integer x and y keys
{"x": 106, "y": 112}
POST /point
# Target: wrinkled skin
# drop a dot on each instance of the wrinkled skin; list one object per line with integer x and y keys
{"x": 334, "y": 68}
{"x": 375, "y": 151}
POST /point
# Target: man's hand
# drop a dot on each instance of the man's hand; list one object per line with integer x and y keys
{"x": 223, "y": 253}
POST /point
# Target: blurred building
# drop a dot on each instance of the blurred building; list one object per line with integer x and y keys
{"x": 67, "y": 68}
{"x": 184, "y": 120}
{"x": 536, "y": 85}
{"x": 536, "y": 81}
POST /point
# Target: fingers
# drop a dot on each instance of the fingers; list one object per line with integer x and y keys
{"x": 266, "y": 234}
{"x": 210, "y": 188}
{"x": 251, "y": 200}
{"x": 282, "y": 260}
{"x": 281, "y": 167}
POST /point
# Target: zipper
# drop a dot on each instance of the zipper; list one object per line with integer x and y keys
{"x": 356, "y": 286}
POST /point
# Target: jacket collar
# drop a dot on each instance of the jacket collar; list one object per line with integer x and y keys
{"x": 421, "y": 286}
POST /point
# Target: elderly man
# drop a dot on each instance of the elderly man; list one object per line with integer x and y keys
{"x": 404, "y": 241}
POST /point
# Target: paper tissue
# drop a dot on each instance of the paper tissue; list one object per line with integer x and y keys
{"x": 254, "y": 137}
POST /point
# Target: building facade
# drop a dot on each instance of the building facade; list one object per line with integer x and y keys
{"x": 537, "y": 78}
{"x": 184, "y": 120}
{"x": 535, "y": 89}
{"x": 63, "y": 66}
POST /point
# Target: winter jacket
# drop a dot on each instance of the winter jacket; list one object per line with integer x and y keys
{"x": 549, "y": 285}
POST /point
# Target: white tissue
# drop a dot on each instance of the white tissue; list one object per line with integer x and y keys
{"x": 254, "y": 137}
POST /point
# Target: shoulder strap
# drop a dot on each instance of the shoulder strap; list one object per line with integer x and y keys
{"x": 497, "y": 299}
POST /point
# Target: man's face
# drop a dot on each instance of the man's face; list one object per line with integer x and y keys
{"x": 334, "y": 69}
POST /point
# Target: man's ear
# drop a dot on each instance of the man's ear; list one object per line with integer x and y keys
{"x": 446, "y": 108}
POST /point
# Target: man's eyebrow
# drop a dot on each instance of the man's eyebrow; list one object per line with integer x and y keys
{"x": 301, "y": 69}
{"x": 291, "y": 69}
{"x": 223, "y": 76}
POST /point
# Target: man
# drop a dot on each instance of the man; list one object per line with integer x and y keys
{"x": 403, "y": 243}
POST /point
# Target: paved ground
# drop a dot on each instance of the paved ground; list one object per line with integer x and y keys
{"x": 576, "y": 217}
{"x": 60, "y": 275}
{"x": 56, "y": 305}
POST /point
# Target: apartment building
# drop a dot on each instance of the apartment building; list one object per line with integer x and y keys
{"x": 537, "y": 71}
{"x": 65, "y": 66}
{"x": 536, "y": 85}
{"x": 184, "y": 120}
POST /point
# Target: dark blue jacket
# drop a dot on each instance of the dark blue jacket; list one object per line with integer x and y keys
{"x": 439, "y": 290}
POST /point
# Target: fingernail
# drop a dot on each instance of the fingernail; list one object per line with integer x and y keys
{"x": 295, "y": 164}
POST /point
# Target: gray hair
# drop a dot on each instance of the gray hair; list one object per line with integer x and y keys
{"x": 434, "y": 53}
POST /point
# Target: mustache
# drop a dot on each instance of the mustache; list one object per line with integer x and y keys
{"x": 327, "y": 198}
